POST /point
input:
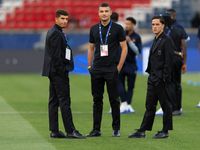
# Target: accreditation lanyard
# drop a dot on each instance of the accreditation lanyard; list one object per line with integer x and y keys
{"x": 65, "y": 37}
{"x": 169, "y": 30}
{"x": 106, "y": 34}
{"x": 104, "y": 47}
{"x": 68, "y": 50}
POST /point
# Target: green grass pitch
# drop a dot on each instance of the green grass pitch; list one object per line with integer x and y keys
{"x": 24, "y": 117}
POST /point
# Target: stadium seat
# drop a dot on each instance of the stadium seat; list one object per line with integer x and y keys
{"x": 10, "y": 24}
{"x": 35, "y": 13}
{"x": 20, "y": 25}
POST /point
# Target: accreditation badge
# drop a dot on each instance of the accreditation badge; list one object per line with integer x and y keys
{"x": 104, "y": 50}
{"x": 68, "y": 53}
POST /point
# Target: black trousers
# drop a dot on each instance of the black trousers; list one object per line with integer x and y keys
{"x": 155, "y": 93}
{"x": 100, "y": 76}
{"x": 60, "y": 97}
{"x": 177, "y": 64}
{"x": 129, "y": 70}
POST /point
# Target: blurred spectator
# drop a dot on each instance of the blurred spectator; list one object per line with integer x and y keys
{"x": 196, "y": 20}
{"x": 84, "y": 21}
{"x": 72, "y": 22}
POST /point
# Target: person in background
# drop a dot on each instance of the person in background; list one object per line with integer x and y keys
{"x": 114, "y": 17}
{"x": 177, "y": 24}
{"x": 198, "y": 35}
{"x": 84, "y": 21}
{"x": 160, "y": 75}
{"x": 58, "y": 61}
{"x": 179, "y": 64}
{"x": 129, "y": 69}
{"x": 104, "y": 66}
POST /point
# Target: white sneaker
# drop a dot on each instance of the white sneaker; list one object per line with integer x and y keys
{"x": 123, "y": 107}
{"x": 159, "y": 112}
{"x": 181, "y": 110}
{"x": 198, "y": 105}
{"x": 110, "y": 111}
{"x": 130, "y": 109}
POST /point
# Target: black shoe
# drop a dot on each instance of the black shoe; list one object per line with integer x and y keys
{"x": 160, "y": 135}
{"x": 75, "y": 134}
{"x": 176, "y": 113}
{"x": 116, "y": 133}
{"x": 137, "y": 134}
{"x": 94, "y": 133}
{"x": 59, "y": 134}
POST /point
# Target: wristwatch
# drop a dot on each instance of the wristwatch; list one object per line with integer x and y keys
{"x": 88, "y": 68}
{"x": 179, "y": 53}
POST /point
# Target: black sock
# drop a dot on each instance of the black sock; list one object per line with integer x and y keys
{"x": 140, "y": 130}
{"x": 166, "y": 131}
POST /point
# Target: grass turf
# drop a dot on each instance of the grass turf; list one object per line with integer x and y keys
{"x": 24, "y": 106}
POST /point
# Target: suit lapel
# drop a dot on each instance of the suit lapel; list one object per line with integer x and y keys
{"x": 151, "y": 49}
{"x": 157, "y": 43}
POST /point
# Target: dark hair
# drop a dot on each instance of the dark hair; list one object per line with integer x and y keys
{"x": 104, "y": 5}
{"x": 168, "y": 19}
{"x": 61, "y": 12}
{"x": 160, "y": 18}
{"x": 114, "y": 17}
{"x": 171, "y": 10}
{"x": 132, "y": 20}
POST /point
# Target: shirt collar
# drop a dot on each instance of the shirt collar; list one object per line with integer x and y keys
{"x": 58, "y": 27}
{"x": 131, "y": 33}
{"x": 106, "y": 25}
{"x": 174, "y": 21}
{"x": 159, "y": 36}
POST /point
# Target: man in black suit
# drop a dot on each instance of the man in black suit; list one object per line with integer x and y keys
{"x": 58, "y": 61}
{"x": 160, "y": 71}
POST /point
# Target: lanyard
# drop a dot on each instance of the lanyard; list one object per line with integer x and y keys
{"x": 65, "y": 37}
{"x": 106, "y": 34}
{"x": 169, "y": 30}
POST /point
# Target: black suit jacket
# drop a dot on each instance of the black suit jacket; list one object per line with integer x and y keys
{"x": 161, "y": 58}
{"x": 55, "y": 49}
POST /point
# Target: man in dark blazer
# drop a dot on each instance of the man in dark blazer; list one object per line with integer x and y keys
{"x": 160, "y": 71}
{"x": 58, "y": 61}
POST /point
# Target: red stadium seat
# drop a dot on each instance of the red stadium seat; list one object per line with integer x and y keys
{"x": 31, "y": 25}
{"x": 2, "y": 25}
{"x": 10, "y": 24}
{"x": 37, "y": 14}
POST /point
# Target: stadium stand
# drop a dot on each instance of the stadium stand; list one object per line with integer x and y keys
{"x": 39, "y": 14}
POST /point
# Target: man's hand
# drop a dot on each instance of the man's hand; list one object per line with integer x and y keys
{"x": 119, "y": 68}
{"x": 183, "y": 68}
{"x": 128, "y": 39}
{"x": 182, "y": 55}
{"x": 88, "y": 68}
